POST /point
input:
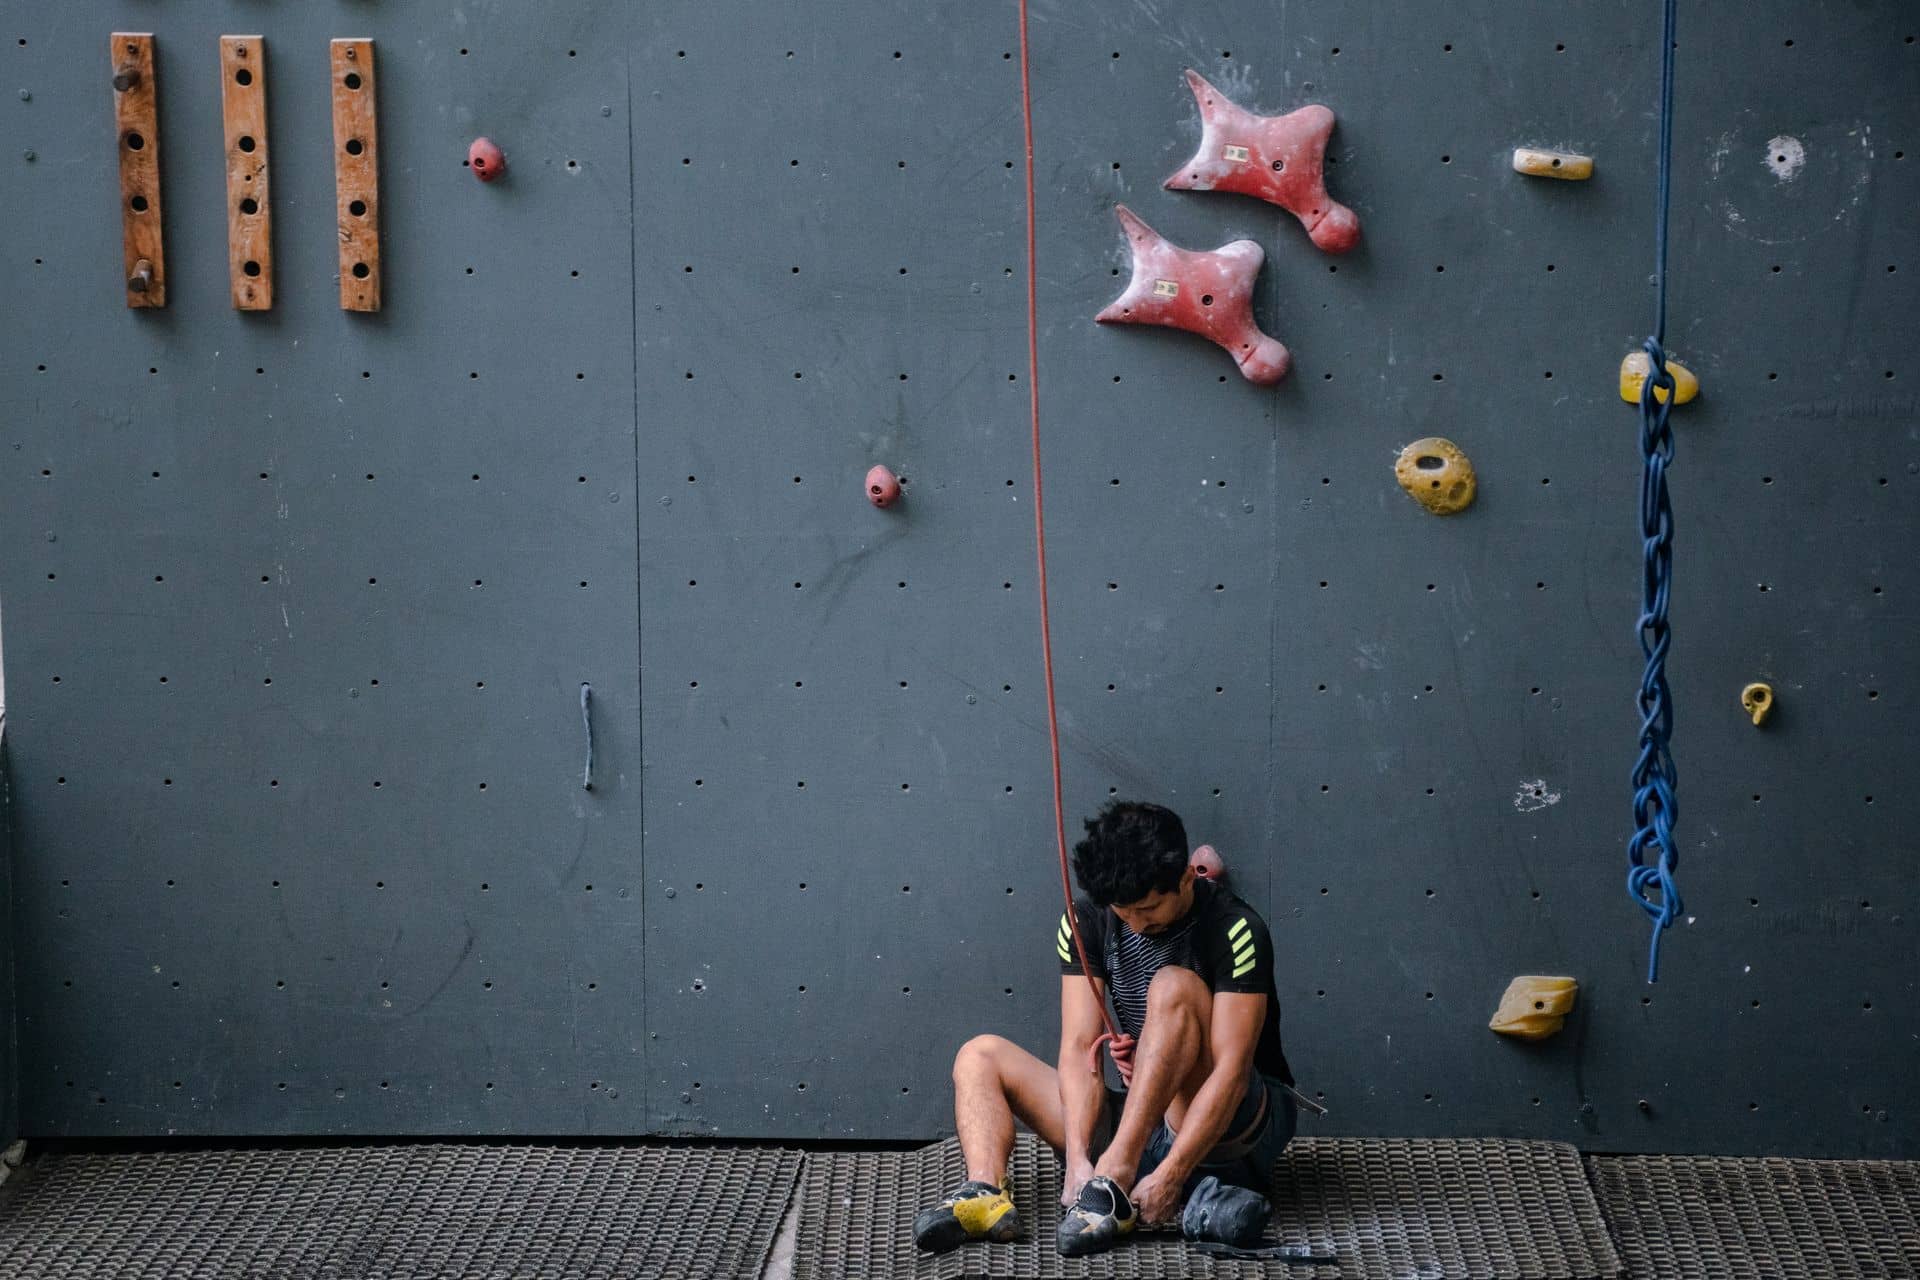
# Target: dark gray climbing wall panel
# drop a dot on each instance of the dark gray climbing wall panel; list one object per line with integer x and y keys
{"x": 9, "y": 1021}
{"x": 1409, "y": 736}
{"x": 299, "y": 604}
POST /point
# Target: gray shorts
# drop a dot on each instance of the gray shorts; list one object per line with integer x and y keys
{"x": 1261, "y": 1127}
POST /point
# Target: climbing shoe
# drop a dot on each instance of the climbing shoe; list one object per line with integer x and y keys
{"x": 972, "y": 1211}
{"x": 1097, "y": 1220}
{"x": 1219, "y": 1213}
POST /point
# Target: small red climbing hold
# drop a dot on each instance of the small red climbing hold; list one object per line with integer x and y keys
{"x": 1207, "y": 865}
{"x": 485, "y": 159}
{"x": 883, "y": 489}
{"x": 1281, "y": 159}
{"x": 1209, "y": 293}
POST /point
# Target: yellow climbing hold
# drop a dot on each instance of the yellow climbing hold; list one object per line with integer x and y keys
{"x": 1534, "y": 1007}
{"x": 1552, "y": 164}
{"x": 1757, "y": 698}
{"x": 1634, "y": 370}
{"x": 1437, "y": 475}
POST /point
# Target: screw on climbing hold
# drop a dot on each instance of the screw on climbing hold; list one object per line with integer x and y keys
{"x": 1633, "y": 372}
{"x": 485, "y": 159}
{"x": 883, "y": 488}
{"x": 1534, "y": 1007}
{"x": 1437, "y": 475}
{"x": 1209, "y": 293}
{"x": 142, "y": 278}
{"x": 1757, "y": 698}
{"x": 1280, "y": 159}
{"x": 1207, "y": 864}
{"x": 1568, "y": 165}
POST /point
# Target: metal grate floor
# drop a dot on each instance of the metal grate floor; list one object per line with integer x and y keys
{"x": 1432, "y": 1209}
{"x": 1427, "y": 1208}
{"x": 1707, "y": 1218}
{"x": 396, "y": 1212}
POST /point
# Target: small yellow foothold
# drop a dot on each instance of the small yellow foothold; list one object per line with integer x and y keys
{"x": 1633, "y": 372}
{"x": 1533, "y": 1007}
{"x": 1552, "y": 164}
{"x": 1437, "y": 475}
{"x": 1757, "y": 698}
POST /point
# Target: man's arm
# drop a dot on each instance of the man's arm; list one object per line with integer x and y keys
{"x": 1237, "y": 1019}
{"x": 1082, "y": 1092}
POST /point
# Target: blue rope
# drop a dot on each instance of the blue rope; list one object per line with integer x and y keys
{"x": 1655, "y": 807}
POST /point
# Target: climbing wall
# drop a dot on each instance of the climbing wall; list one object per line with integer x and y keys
{"x": 819, "y": 852}
{"x": 299, "y": 603}
{"x": 9, "y": 1048}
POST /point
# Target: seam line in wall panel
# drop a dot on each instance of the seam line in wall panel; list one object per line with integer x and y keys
{"x": 639, "y": 635}
{"x": 1272, "y": 825}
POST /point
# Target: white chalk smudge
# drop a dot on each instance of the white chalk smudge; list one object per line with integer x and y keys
{"x": 1534, "y": 795}
{"x": 1785, "y": 156}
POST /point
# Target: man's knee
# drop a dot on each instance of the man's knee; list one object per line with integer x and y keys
{"x": 1177, "y": 991}
{"x": 979, "y": 1058}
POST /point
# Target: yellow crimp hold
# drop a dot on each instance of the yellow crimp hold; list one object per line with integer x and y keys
{"x": 1757, "y": 698}
{"x": 1552, "y": 164}
{"x": 978, "y": 1213}
{"x": 1634, "y": 369}
{"x": 1437, "y": 475}
{"x": 1534, "y": 1007}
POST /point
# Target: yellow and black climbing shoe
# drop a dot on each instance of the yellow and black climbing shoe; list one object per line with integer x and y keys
{"x": 1099, "y": 1217}
{"x": 972, "y": 1211}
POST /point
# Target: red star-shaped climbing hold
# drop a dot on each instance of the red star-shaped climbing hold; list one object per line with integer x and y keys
{"x": 1281, "y": 159}
{"x": 1210, "y": 294}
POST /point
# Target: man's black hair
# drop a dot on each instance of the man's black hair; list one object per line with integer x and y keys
{"x": 1132, "y": 849}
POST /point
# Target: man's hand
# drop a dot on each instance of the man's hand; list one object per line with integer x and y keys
{"x": 1121, "y": 1046}
{"x": 1156, "y": 1197}
{"x": 1078, "y": 1171}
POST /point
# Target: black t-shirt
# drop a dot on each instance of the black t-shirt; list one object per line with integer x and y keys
{"x": 1221, "y": 939}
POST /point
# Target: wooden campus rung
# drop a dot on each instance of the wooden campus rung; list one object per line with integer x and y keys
{"x": 243, "y": 108}
{"x": 136, "y": 117}
{"x": 356, "y": 174}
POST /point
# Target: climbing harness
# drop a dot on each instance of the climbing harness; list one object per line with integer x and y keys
{"x": 1040, "y": 541}
{"x": 1655, "y": 808}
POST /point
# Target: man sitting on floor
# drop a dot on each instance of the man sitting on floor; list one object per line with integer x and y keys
{"x": 1187, "y": 967}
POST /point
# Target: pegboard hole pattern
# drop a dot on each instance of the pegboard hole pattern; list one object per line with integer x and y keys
{"x": 1422, "y": 687}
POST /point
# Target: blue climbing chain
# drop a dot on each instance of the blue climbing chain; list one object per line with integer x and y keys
{"x": 1655, "y": 807}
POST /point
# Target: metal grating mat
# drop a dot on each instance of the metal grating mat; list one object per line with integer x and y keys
{"x": 1708, "y": 1218}
{"x": 1432, "y": 1208}
{"x": 396, "y": 1212}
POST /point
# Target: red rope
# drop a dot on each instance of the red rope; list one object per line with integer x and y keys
{"x": 1040, "y": 541}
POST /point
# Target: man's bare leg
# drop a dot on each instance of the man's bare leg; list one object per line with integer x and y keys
{"x": 995, "y": 1081}
{"x": 1170, "y": 1063}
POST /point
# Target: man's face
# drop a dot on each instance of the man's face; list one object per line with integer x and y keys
{"x": 1153, "y": 913}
